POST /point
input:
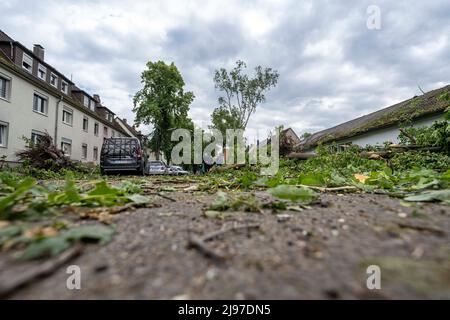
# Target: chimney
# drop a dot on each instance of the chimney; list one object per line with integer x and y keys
{"x": 39, "y": 51}
{"x": 97, "y": 98}
{"x": 124, "y": 120}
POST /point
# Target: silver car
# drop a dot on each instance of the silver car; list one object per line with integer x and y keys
{"x": 177, "y": 171}
{"x": 157, "y": 167}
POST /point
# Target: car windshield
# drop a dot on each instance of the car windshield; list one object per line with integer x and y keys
{"x": 118, "y": 147}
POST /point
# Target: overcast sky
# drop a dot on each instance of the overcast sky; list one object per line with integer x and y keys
{"x": 332, "y": 67}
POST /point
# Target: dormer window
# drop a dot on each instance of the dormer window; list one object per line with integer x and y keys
{"x": 86, "y": 101}
{"x": 27, "y": 63}
{"x": 92, "y": 106}
{"x": 54, "y": 80}
{"x": 64, "y": 87}
{"x": 42, "y": 72}
{"x": 109, "y": 116}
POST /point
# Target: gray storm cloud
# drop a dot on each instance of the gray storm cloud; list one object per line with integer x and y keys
{"x": 332, "y": 67}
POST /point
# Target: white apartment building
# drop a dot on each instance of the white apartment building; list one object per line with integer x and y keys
{"x": 35, "y": 99}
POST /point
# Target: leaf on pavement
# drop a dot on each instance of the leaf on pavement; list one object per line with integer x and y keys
{"x": 287, "y": 192}
{"x": 436, "y": 195}
{"x": 101, "y": 234}
{"x": 44, "y": 248}
{"x": 139, "y": 199}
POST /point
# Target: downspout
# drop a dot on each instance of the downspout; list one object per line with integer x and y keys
{"x": 56, "y": 120}
{"x": 12, "y": 51}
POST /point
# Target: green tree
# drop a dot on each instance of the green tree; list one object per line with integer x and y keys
{"x": 242, "y": 94}
{"x": 163, "y": 104}
{"x": 305, "y": 135}
{"x": 223, "y": 119}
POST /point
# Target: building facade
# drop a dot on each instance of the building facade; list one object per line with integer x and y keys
{"x": 36, "y": 99}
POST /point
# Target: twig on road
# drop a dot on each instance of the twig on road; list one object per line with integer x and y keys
{"x": 9, "y": 286}
{"x": 161, "y": 195}
{"x": 200, "y": 242}
{"x": 220, "y": 232}
{"x": 438, "y": 232}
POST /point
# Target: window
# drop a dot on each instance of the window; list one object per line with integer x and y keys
{"x": 54, "y": 80}
{"x": 36, "y": 136}
{"x": 27, "y": 63}
{"x": 86, "y": 101}
{"x": 85, "y": 124}
{"x": 84, "y": 149}
{"x": 96, "y": 128}
{"x": 113, "y": 134}
{"x": 64, "y": 87}
{"x": 109, "y": 116}
{"x": 95, "y": 154}
{"x": 42, "y": 72}
{"x": 3, "y": 134}
{"x": 40, "y": 104}
{"x": 105, "y": 130}
{"x": 67, "y": 116}
{"x": 92, "y": 107}
{"x": 5, "y": 87}
{"x": 66, "y": 146}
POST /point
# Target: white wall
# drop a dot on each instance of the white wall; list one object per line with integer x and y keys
{"x": 78, "y": 136}
{"x": 378, "y": 137}
{"x": 18, "y": 113}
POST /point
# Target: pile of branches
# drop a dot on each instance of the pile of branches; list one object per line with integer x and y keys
{"x": 43, "y": 154}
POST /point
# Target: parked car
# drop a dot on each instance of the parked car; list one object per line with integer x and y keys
{"x": 157, "y": 167}
{"x": 122, "y": 154}
{"x": 177, "y": 171}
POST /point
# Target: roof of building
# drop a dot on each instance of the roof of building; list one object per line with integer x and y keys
{"x": 5, "y": 37}
{"x": 6, "y": 61}
{"x": 132, "y": 129}
{"x": 416, "y": 107}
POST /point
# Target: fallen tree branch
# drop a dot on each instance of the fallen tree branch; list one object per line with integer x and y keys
{"x": 394, "y": 149}
{"x": 302, "y": 155}
{"x": 408, "y": 135}
{"x": 375, "y": 155}
{"x": 9, "y": 286}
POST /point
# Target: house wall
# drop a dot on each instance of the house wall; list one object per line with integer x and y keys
{"x": 78, "y": 136}
{"x": 22, "y": 120}
{"x": 378, "y": 137}
{"x": 18, "y": 113}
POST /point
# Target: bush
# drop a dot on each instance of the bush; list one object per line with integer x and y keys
{"x": 424, "y": 159}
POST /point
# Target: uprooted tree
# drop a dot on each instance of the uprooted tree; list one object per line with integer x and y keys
{"x": 43, "y": 154}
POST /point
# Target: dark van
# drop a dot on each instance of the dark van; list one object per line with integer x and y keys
{"x": 122, "y": 154}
